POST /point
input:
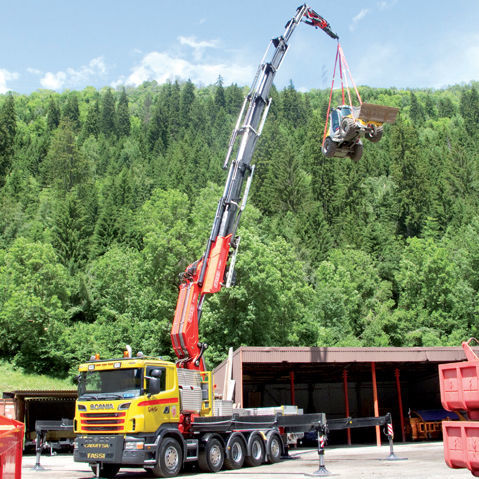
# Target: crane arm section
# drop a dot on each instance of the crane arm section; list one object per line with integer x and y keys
{"x": 207, "y": 275}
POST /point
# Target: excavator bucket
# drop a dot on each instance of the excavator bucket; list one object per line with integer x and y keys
{"x": 377, "y": 113}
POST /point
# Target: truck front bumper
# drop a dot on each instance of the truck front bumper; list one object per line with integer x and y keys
{"x": 108, "y": 449}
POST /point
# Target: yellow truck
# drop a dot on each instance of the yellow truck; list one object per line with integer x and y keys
{"x": 148, "y": 413}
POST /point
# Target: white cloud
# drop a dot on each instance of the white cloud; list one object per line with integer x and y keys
{"x": 193, "y": 43}
{"x": 161, "y": 66}
{"x": 197, "y": 46}
{"x": 71, "y": 77}
{"x": 385, "y": 4}
{"x": 53, "y": 81}
{"x": 6, "y": 76}
{"x": 358, "y": 18}
{"x": 34, "y": 71}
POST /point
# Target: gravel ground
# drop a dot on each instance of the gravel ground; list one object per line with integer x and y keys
{"x": 425, "y": 460}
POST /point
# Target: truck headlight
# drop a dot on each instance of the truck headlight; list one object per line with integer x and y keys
{"x": 134, "y": 445}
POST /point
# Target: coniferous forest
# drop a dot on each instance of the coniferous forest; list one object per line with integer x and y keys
{"x": 106, "y": 196}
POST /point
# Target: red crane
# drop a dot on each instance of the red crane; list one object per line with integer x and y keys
{"x": 209, "y": 274}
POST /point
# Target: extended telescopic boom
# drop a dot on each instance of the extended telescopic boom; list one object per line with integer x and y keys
{"x": 207, "y": 275}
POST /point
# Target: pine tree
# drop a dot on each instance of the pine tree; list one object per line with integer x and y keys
{"x": 220, "y": 100}
{"x": 147, "y": 108}
{"x": 416, "y": 111}
{"x": 170, "y": 104}
{"x": 71, "y": 111}
{"x": 446, "y": 108}
{"x": 53, "y": 114}
{"x": 123, "y": 115}
{"x": 186, "y": 102}
{"x": 234, "y": 98}
{"x": 8, "y": 129}
{"x": 91, "y": 126}
{"x": 70, "y": 232}
{"x": 107, "y": 118}
{"x": 64, "y": 166}
{"x": 469, "y": 108}
{"x": 430, "y": 106}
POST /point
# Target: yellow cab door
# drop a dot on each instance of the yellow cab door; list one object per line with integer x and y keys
{"x": 161, "y": 403}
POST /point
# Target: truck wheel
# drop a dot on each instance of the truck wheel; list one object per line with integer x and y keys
{"x": 274, "y": 448}
{"x": 329, "y": 147}
{"x": 211, "y": 458}
{"x": 375, "y": 136}
{"x": 256, "y": 448}
{"x": 106, "y": 470}
{"x": 237, "y": 453}
{"x": 348, "y": 129}
{"x": 357, "y": 152}
{"x": 169, "y": 458}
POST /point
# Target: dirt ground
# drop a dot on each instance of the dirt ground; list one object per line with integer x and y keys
{"x": 421, "y": 461}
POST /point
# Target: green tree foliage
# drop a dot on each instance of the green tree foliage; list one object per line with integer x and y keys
{"x": 33, "y": 305}
{"x": 71, "y": 111}
{"x": 8, "y": 127}
{"x": 53, "y": 114}
{"x": 123, "y": 115}
{"x": 64, "y": 165}
{"x": 91, "y": 126}
{"x": 101, "y": 209}
{"x": 107, "y": 114}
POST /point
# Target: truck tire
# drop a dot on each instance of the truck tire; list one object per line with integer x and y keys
{"x": 169, "y": 458}
{"x": 256, "y": 452}
{"x": 236, "y": 452}
{"x": 212, "y": 456}
{"x": 274, "y": 448}
{"x": 357, "y": 152}
{"x": 375, "y": 136}
{"x": 348, "y": 129}
{"x": 106, "y": 470}
{"x": 329, "y": 147}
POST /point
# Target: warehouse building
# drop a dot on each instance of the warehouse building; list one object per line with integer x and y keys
{"x": 343, "y": 382}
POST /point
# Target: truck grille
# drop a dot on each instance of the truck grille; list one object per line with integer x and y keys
{"x": 102, "y": 421}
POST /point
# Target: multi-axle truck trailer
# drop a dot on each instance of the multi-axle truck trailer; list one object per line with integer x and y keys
{"x": 146, "y": 412}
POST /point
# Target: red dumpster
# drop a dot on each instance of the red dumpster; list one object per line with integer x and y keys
{"x": 461, "y": 445}
{"x": 11, "y": 446}
{"x": 459, "y": 384}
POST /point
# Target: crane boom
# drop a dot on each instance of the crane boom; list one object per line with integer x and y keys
{"x": 206, "y": 276}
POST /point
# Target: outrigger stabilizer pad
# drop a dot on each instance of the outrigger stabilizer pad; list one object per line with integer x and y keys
{"x": 322, "y": 471}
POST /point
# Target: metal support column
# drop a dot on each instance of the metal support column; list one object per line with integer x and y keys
{"x": 291, "y": 378}
{"x": 240, "y": 388}
{"x": 375, "y": 399}
{"x": 346, "y": 402}
{"x": 401, "y": 413}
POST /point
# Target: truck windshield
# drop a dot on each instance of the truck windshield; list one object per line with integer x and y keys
{"x": 345, "y": 111}
{"x": 111, "y": 384}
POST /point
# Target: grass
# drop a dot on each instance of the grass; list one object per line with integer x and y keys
{"x": 13, "y": 379}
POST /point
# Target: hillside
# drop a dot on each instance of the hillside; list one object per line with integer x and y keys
{"x": 105, "y": 196}
{"x": 12, "y": 379}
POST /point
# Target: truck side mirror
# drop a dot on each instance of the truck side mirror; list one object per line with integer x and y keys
{"x": 155, "y": 381}
{"x": 154, "y": 386}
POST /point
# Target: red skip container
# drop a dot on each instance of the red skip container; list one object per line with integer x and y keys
{"x": 459, "y": 384}
{"x": 461, "y": 445}
{"x": 11, "y": 446}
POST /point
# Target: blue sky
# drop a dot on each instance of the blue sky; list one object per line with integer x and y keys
{"x": 61, "y": 44}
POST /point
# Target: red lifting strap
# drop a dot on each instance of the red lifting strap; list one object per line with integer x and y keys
{"x": 343, "y": 65}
